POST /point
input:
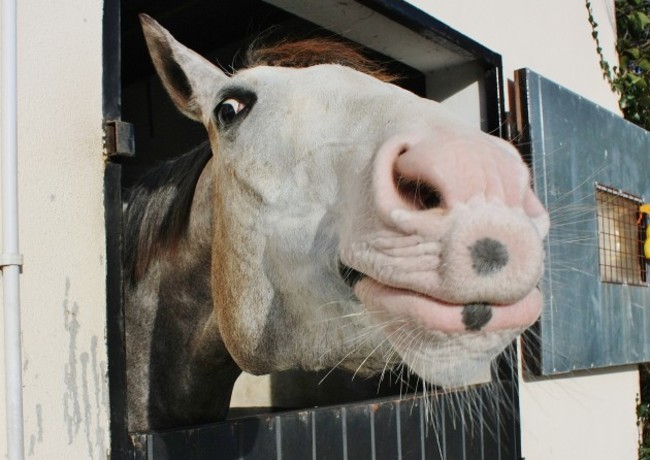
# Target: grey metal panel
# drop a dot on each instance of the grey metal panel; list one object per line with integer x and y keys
{"x": 480, "y": 424}
{"x": 572, "y": 144}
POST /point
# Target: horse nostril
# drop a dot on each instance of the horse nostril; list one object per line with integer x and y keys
{"x": 488, "y": 256}
{"x": 417, "y": 193}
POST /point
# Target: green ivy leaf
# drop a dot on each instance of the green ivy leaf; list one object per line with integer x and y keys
{"x": 632, "y": 79}
{"x": 639, "y": 20}
{"x": 644, "y": 64}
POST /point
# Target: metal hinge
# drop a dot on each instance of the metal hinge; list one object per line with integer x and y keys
{"x": 119, "y": 138}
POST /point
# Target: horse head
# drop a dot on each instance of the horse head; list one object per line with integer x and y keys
{"x": 355, "y": 224}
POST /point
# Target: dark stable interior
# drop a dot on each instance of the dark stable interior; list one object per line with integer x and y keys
{"x": 221, "y": 31}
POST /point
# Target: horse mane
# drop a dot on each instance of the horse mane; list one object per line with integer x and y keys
{"x": 314, "y": 51}
{"x": 158, "y": 207}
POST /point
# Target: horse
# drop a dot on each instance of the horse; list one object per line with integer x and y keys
{"x": 331, "y": 220}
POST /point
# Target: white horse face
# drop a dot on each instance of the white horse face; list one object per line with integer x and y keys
{"x": 325, "y": 173}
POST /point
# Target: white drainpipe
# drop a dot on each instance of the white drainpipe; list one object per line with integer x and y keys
{"x": 10, "y": 259}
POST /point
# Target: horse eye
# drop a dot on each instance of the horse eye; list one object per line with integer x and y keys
{"x": 228, "y": 110}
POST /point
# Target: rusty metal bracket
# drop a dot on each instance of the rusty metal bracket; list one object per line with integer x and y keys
{"x": 119, "y": 138}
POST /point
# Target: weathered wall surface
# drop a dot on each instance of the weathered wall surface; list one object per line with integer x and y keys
{"x": 591, "y": 415}
{"x": 62, "y": 230}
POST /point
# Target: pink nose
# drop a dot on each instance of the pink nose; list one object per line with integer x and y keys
{"x": 434, "y": 170}
{"x": 424, "y": 171}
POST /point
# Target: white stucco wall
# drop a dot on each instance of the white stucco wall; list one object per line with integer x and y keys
{"x": 590, "y": 416}
{"x": 62, "y": 231}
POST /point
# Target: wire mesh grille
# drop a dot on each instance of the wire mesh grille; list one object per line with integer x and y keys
{"x": 619, "y": 237}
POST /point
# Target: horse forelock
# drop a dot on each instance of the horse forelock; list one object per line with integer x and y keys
{"x": 158, "y": 210}
{"x": 315, "y": 51}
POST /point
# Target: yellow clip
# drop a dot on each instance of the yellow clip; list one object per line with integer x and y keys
{"x": 645, "y": 209}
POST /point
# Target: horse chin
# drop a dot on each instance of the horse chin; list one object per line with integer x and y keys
{"x": 434, "y": 337}
{"x": 440, "y": 365}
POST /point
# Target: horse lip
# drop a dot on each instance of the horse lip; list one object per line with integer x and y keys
{"x": 350, "y": 275}
{"x": 438, "y": 315}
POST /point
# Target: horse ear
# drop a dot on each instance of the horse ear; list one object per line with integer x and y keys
{"x": 191, "y": 80}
